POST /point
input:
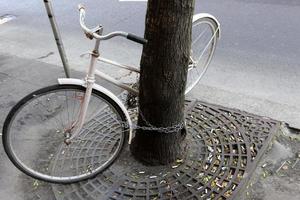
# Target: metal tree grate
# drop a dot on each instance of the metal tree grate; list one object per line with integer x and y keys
{"x": 224, "y": 148}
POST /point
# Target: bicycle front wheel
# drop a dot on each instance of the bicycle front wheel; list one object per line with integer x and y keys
{"x": 204, "y": 41}
{"x": 34, "y": 134}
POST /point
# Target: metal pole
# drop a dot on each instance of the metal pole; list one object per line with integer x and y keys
{"x": 57, "y": 37}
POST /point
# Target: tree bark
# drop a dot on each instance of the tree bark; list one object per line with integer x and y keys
{"x": 162, "y": 82}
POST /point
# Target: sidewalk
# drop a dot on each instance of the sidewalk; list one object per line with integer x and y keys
{"x": 19, "y": 77}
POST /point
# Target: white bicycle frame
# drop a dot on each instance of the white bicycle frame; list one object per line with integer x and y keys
{"x": 89, "y": 82}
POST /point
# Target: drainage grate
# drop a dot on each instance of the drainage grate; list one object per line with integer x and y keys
{"x": 225, "y": 146}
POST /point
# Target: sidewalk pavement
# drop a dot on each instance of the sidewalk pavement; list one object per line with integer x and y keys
{"x": 20, "y": 76}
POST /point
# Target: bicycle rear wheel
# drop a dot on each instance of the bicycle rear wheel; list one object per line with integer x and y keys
{"x": 34, "y": 133}
{"x": 204, "y": 41}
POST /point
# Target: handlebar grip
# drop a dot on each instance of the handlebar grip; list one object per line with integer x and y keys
{"x": 136, "y": 38}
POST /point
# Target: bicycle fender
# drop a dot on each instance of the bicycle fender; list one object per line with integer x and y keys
{"x": 73, "y": 81}
{"x": 204, "y": 15}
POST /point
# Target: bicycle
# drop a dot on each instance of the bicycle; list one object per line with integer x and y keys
{"x": 58, "y": 125}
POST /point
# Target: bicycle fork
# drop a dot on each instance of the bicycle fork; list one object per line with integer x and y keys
{"x": 90, "y": 80}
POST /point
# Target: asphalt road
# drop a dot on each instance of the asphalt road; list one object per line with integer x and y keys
{"x": 256, "y": 67}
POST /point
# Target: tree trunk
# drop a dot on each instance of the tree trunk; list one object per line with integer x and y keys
{"x": 162, "y": 82}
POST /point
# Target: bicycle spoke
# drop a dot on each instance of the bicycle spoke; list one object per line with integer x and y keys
{"x": 207, "y": 45}
{"x": 200, "y": 35}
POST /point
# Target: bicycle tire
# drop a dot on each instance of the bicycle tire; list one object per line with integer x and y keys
{"x": 52, "y": 160}
{"x": 197, "y": 69}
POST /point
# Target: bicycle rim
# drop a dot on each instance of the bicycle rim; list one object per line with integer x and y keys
{"x": 204, "y": 39}
{"x": 34, "y": 133}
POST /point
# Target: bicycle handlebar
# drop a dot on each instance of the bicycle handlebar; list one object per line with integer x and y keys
{"x": 136, "y": 38}
{"x": 91, "y": 33}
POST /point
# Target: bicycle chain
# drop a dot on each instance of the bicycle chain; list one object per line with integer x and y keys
{"x": 169, "y": 129}
{"x": 132, "y": 103}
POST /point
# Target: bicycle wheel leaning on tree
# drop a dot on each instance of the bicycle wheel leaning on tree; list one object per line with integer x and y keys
{"x": 35, "y": 129}
{"x": 205, "y": 33}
